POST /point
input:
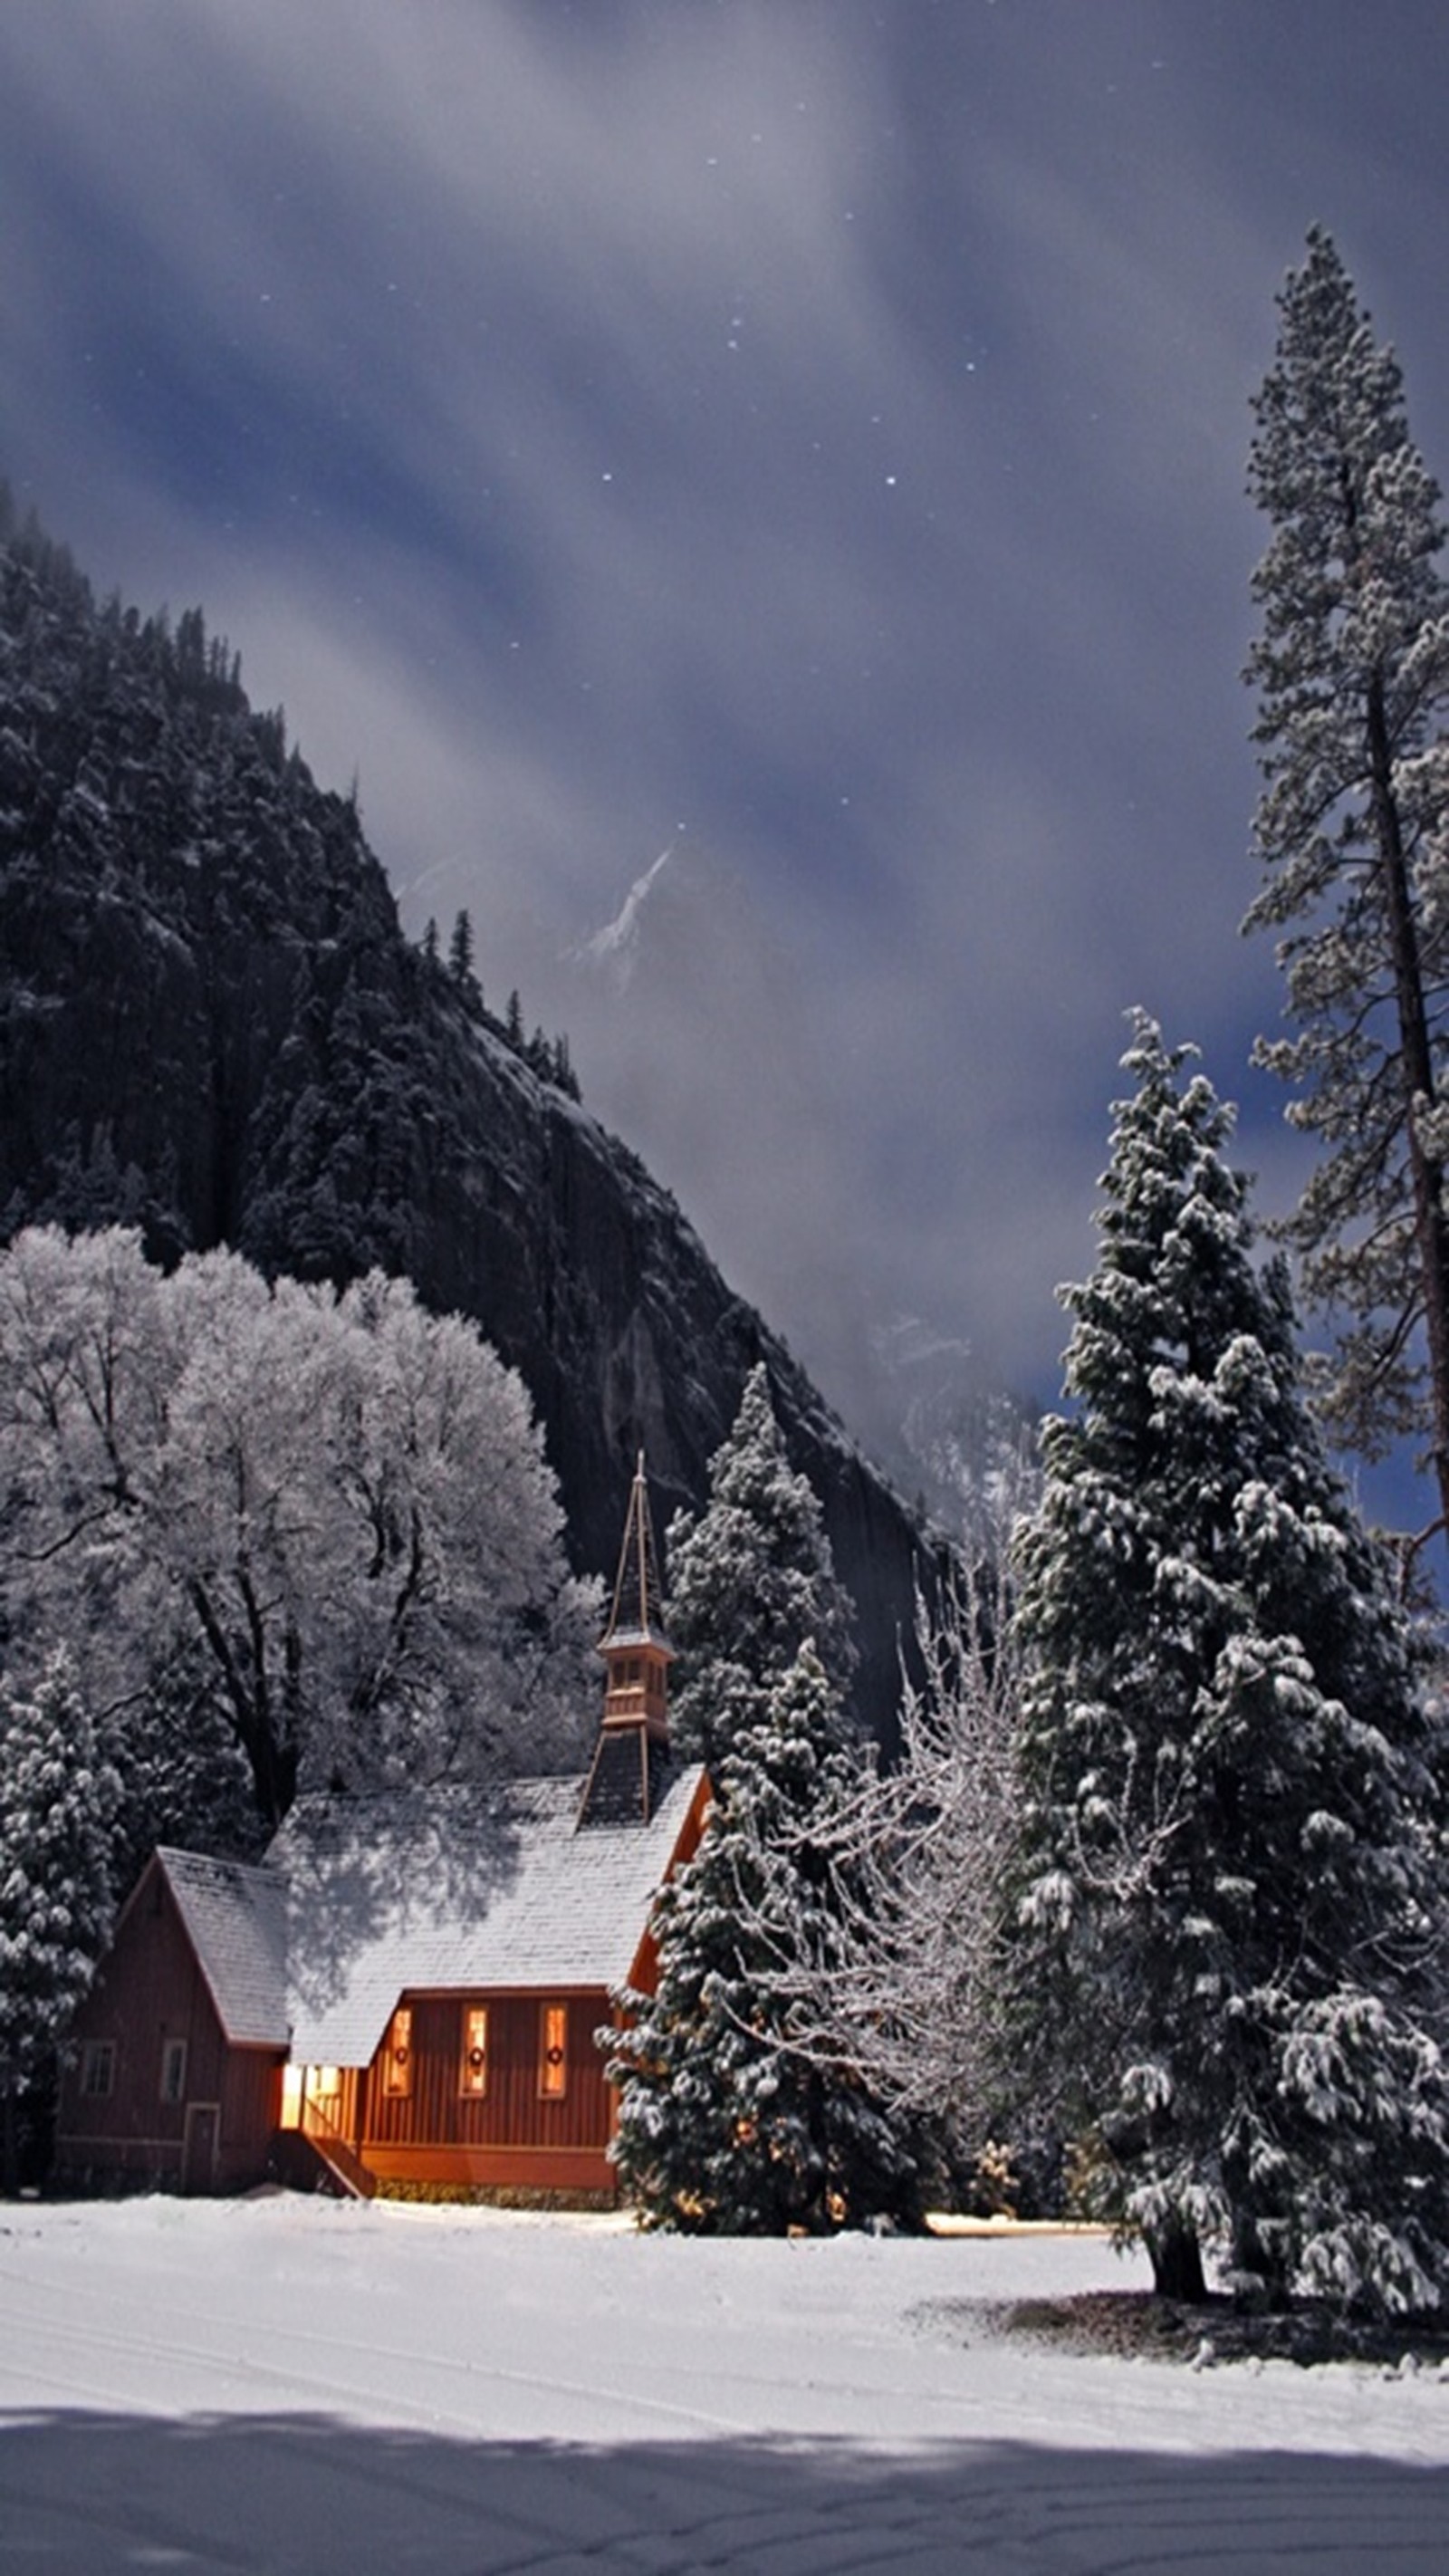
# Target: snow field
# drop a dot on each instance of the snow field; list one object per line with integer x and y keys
{"x": 282, "y": 2384}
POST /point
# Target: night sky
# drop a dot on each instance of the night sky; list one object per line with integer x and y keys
{"x": 800, "y": 436}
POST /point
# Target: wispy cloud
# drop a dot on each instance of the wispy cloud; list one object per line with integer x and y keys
{"x": 820, "y": 428}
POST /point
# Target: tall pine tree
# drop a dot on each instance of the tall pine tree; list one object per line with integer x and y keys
{"x": 750, "y": 1581}
{"x": 1226, "y": 1882}
{"x": 724, "y": 2127}
{"x": 58, "y": 1799}
{"x": 1352, "y": 674}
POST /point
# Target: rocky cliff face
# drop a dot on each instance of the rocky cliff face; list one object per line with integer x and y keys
{"x": 212, "y": 1025}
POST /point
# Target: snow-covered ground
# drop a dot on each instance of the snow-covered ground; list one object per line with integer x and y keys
{"x": 282, "y": 2384}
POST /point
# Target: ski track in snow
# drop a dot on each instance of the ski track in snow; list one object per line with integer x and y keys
{"x": 283, "y": 2384}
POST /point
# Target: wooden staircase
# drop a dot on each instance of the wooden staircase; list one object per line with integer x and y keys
{"x": 306, "y": 2160}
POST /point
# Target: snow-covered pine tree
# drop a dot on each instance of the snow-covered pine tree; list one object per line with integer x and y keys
{"x": 461, "y": 964}
{"x": 750, "y": 1580}
{"x": 1228, "y": 1901}
{"x": 460, "y": 949}
{"x": 184, "y": 1777}
{"x": 1352, "y": 674}
{"x": 58, "y": 1798}
{"x": 723, "y": 2128}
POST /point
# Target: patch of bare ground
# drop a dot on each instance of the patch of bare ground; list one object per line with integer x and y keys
{"x": 1135, "y": 2325}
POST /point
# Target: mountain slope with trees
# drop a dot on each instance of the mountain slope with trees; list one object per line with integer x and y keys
{"x": 213, "y": 1027}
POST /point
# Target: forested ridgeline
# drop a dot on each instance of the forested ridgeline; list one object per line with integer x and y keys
{"x": 213, "y": 1027}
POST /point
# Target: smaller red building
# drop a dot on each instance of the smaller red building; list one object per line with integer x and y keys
{"x": 407, "y": 1990}
{"x": 174, "y": 2079}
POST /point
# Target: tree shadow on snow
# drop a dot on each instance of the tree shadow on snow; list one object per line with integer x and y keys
{"x": 98, "y": 2494}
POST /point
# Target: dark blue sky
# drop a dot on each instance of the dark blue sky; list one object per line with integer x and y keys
{"x": 802, "y": 434}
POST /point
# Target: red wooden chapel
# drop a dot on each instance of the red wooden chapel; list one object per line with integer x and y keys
{"x": 407, "y": 1988}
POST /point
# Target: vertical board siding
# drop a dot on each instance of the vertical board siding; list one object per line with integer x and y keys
{"x": 151, "y": 1993}
{"x": 251, "y": 2109}
{"x": 512, "y": 2113}
{"x": 151, "y": 1990}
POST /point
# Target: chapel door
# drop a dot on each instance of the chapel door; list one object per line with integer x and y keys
{"x": 199, "y": 2146}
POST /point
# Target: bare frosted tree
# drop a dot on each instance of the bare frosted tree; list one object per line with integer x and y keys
{"x": 903, "y": 1984}
{"x": 338, "y": 1507}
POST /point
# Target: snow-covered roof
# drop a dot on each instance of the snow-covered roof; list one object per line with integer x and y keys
{"x": 458, "y": 1888}
{"x": 235, "y": 1917}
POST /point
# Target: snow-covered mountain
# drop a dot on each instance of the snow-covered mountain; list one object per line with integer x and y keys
{"x": 958, "y": 1439}
{"x": 689, "y": 1025}
{"x": 212, "y": 1026}
{"x": 689, "y": 974}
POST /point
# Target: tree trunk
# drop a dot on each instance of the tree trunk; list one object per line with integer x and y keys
{"x": 1177, "y": 2265}
{"x": 1431, "y": 1234}
{"x": 9, "y": 2144}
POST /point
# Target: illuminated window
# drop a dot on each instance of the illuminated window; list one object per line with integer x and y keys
{"x": 397, "y": 2064}
{"x": 173, "y": 2070}
{"x": 98, "y": 2069}
{"x": 553, "y": 2060}
{"x": 473, "y": 2071}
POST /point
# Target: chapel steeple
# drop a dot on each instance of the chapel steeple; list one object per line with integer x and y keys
{"x": 633, "y": 1741}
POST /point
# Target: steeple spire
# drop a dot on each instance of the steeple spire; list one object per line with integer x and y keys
{"x": 634, "y": 1618}
{"x": 634, "y": 1738}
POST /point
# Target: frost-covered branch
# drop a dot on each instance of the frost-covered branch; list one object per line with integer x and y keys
{"x": 332, "y": 1512}
{"x": 901, "y": 1982}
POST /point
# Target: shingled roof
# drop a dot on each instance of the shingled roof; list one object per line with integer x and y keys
{"x": 235, "y": 1918}
{"x": 458, "y": 1888}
